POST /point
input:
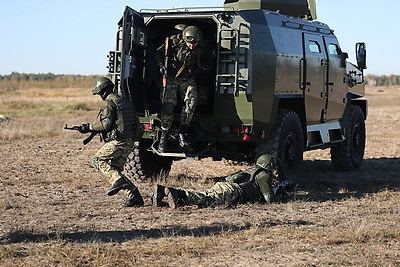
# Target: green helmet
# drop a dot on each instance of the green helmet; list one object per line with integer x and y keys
{"x": 180, "y": 27}
{"x": 268, "y": 162}
{"x": 102, "y": 83}
{"x": 192, "y": 34}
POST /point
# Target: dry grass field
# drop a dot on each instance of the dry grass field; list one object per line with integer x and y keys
{"x": 54, "y": 210}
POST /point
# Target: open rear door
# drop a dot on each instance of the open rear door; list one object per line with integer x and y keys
{"x": 133, "y": 43}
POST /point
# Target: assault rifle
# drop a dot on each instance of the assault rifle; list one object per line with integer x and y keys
{"x": 81, "y": 129}
{"x": 280, "y": 189}
{"x": 165, "y": 67}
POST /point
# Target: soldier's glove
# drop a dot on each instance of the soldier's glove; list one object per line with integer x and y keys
{"x": 84, "y": 128}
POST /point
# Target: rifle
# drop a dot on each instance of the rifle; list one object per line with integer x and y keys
{"x": 165, "y": 73}
{"x": 80, "y": 128}
{"x": 280, "y": 189}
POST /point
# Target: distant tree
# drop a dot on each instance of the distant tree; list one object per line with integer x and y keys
{"x": 17, "y": 80}
{"x": 382, "y": 80}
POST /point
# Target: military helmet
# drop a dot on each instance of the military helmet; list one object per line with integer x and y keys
{"x": 192, "y": 34}
{"x": 268, "y": 162}
{"x": 102, "y": 83}
{"x": 180, "y": 27}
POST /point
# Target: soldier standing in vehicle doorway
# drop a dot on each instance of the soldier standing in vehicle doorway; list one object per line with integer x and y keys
{"x": 183, "y": 66}
{"x": 251, "y": 185}
{"x": 119, "y": 127}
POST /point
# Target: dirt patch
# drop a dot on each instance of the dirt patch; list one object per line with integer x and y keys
{"x": 55, "y": 211}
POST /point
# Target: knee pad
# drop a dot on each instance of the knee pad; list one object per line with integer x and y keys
{"x": 190, "y": 105}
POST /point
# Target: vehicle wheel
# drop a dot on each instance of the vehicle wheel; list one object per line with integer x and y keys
{"x": 143, "y": 165}
{"x": 350, "y": 153}
{"x": 286, "y": 142}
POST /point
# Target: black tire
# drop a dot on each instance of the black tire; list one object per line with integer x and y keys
{"x": 349, "y": 155}
{"x": 144, "y": 165}
{"x": 287, "y": 143}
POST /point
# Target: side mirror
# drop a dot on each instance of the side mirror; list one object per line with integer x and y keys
{"x": 343, "y": 58}
{"x": 361, "y": 54}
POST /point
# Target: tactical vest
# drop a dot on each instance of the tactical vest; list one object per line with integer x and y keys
{"x": 246, "y": 181}
{"x": 127, "y": 123}
{"x": 182, "y": 55}
{"x": 243, "y": 176}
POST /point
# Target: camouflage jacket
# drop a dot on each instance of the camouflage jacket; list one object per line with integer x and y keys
{"x": 255, "y": 182}
{"x": 118, "y": 120}
{"x": 182, "y": 59}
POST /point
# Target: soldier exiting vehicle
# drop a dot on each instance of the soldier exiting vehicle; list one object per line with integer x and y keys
{"x": 119, "y": 126}
{"x": 183, "y": 66}
{"x": 251, "y": 185}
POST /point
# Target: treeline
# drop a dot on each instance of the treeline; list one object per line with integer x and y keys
{"x": 17, "y": 80}
{"x": 382, "y": 80}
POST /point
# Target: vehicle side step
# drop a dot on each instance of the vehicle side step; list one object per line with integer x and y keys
{"x": 176, "y": 154}
{"x": 325, "y": 133}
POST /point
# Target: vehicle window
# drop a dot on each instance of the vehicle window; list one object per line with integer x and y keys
{"x": 314, "y": 47}
{"x": 333, "y": 49}
{"x": 142, "y": 39}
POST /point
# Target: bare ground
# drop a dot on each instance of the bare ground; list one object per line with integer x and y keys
{"x": 54, "y": 210}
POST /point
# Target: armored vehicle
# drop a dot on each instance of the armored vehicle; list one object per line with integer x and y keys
{"x": 277, "y": 81}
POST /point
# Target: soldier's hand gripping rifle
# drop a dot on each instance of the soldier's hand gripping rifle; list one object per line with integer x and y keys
{"x": 165, "y": 67}
{"x": 83, "y": 128}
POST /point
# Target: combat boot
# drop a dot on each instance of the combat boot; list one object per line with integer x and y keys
{"x": 135, "y": 201}
{"x": 175, "y": 197}
{"x": 158, "y": 196}
{"x": 119, "y": 185}
{"x": 183, "y": 138}
{"x": 162, "y": 143}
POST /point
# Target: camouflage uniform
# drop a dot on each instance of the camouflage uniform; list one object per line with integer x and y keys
{"x": 118, "y": 126}
{"x": 256, "y": 186}
{"x": 222, "y": 193}
{"x": 181, "y": 80}
{"x": 110, "y": 160}
{"x": 187, "y": 90}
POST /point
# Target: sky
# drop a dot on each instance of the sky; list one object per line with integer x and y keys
{"x": 74, "y": 37}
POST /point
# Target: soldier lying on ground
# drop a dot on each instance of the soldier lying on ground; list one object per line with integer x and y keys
{"x": 251, "y": 185}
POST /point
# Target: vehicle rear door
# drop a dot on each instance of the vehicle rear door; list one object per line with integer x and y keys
{"x": 132, "y": 43}
{"x": 315, "y": 77}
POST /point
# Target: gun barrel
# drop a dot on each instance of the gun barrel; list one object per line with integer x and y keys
{"x": 76, "y": 128}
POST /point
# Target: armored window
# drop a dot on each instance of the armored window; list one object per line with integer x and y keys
{"x": 314, "y": 47}
{"x": 142, "y": 38}
{"x": 333, "y": 49}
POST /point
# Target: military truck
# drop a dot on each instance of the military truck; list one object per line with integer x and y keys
{"x": 277, "y": 82}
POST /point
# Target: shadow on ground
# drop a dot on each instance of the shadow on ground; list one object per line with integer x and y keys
{"x": 321, "y": 182}
{"x": 123, "y": 236}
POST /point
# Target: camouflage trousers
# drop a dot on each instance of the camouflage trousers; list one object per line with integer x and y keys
{"x": 110, "y": 161}
{"x": 187, "y": 90}
{"x": 222, "y": 193}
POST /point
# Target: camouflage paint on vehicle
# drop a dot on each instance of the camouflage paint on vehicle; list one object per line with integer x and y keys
{"x": 277, "y": 82}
